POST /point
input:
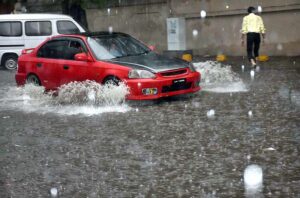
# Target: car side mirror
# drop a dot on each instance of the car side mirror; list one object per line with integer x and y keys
{"x": 83, "y": 57}
{"x": 152, "y": 47}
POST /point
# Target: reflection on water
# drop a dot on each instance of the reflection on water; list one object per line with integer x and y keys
{"x": 171, "y": 148}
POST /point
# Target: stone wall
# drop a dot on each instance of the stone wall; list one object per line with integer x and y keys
{"x": 219, "y": 32}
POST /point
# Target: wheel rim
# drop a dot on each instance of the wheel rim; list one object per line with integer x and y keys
{"x": 11, "y": 64}
{"x": 112, "y": 81}
{"x": 33, "y": 80}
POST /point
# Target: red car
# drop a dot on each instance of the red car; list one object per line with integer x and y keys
{"x": 106, "y": 57}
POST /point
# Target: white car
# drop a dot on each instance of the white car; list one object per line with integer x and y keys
{"x": 20, "y": 31}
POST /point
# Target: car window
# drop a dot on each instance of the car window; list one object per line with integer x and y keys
{"x": 54, "y": 49}
{"x": 38, "y": 28}
{"x": 74, "y": 48}
{"x": 61, "y": 49}
{"x": 11, "y": 28}
{"x": 67, "y": 27}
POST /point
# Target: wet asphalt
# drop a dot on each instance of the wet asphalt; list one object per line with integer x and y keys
{"x": 168, "y": 148}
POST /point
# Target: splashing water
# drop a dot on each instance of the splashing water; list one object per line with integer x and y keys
{"x": 87, "y": 98}
{"x": 216, "y": 77}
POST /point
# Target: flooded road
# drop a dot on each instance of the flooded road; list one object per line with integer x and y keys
{"x": 196, "y": 146}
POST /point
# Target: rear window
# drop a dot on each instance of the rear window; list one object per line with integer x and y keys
{"x": 67, "y": 27}
{"x": 38, "y": 28}
{"x": 13, "y": 28}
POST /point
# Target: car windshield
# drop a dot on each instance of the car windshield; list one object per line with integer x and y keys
{"x": 116, "y": 46}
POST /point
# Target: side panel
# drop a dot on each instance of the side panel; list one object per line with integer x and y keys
{"x": 71, "y": 70}
{"x": 47, "y": 70}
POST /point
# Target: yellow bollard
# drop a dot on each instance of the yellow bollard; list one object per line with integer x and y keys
{"x": 263, "y": 58}
{"x": 221, "y": 58}
{"x": 187, "y": 57}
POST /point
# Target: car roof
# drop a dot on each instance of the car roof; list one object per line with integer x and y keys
{"x": 103, "y": 33}
{"x": 33, "y": 16}
{"x": 91, "y": 34}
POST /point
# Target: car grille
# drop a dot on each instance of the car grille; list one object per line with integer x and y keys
{"x": 176, "y": 87}
{"x": 174, "y": 73}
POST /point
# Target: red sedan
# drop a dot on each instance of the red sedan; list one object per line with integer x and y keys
{"x": 106, "y": 58}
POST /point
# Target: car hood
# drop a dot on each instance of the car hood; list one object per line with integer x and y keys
{"x": 152, "y": 62}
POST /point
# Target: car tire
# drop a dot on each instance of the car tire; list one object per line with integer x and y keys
{"x": 10, "y": 62}
{"x": 112, "y": 80}
{"x": 33, "y": 79}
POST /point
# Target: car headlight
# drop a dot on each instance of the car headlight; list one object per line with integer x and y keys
{"x": 192, "y": 67}
{"x": 135, "y": 73}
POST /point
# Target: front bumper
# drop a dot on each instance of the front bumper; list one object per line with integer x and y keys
{"x": 165, "y": 86}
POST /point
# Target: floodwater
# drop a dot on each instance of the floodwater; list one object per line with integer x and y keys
{"x": 85, "y": 145}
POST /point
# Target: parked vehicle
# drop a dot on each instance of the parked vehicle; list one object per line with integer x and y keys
{"x": 107, "y": 58}
{"x": 20, "y": 31}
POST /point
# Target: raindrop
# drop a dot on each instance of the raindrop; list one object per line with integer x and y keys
{"x": 243, "y": 67}
{"x": 195, "y": 33}
{"x": 203, "y": 14}
{"x": 137, "y": 110}
{"x": 210, "y": 113}
{"x": 252, "y": 74}
{"x": 294, "y": 62}
{"x": 108, "y": 11}
{"x": 248, "y": 157}
{"x": 53, "y": 192}
{"x": 227, "y": 6}
{"x": 270, "y": 149}
{"x": 259, "y": 9}
{"x": 257, "y": 69}
{"x": 279, "y": 47}
{"x": 253, "y": 177}
{"x": 110, "y": 29}
{"x": 250, "y": 114}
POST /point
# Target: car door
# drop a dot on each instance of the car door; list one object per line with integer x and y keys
{"x": 47, "y": 63}
{"x": 70, "y": 69}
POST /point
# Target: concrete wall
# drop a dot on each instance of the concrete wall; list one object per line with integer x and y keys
{"x": 147, "y": 23}
{"x": 219, "y": 32}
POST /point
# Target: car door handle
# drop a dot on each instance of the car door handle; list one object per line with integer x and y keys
{"x": 39, "y": 64}
{"x": 66, "y": 66}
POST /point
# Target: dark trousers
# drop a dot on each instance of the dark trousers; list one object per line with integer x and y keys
{"x": 253, "y": 42}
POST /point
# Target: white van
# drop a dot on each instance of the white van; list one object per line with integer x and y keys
{"x": 20, "y": 31}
